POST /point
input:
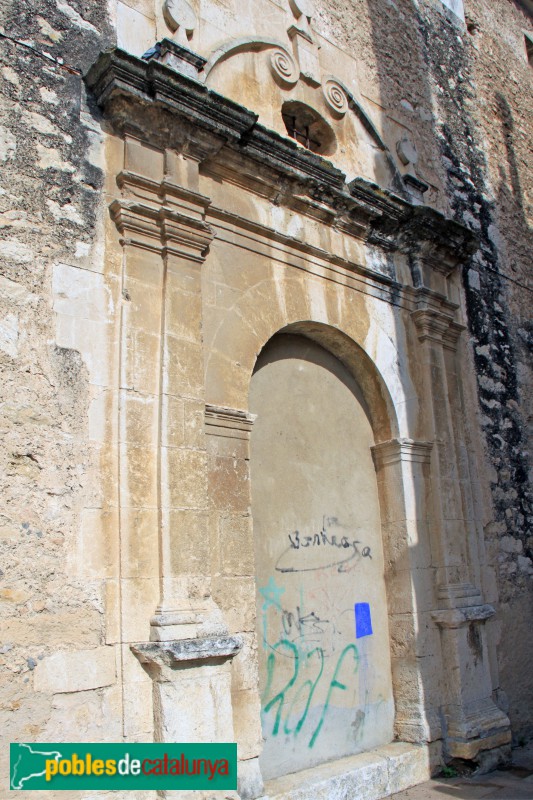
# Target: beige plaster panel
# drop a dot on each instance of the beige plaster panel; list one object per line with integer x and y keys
{"x": 311, "y": 465}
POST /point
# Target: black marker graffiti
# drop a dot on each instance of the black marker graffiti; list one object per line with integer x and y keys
{"x": 348, "y": 550}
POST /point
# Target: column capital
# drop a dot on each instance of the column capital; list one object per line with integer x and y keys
{"x": 396, "y": 450}
{"x": 230, "y": 422}
{"x": 463, "y": 604}
{"x": 162, "y": 229}
{"x": 436, "y": 322}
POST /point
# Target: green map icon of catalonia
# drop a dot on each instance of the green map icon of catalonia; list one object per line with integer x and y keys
{"x": 28, "y": 762}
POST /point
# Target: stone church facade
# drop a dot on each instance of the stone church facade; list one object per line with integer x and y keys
{"x": 265, "y": 341}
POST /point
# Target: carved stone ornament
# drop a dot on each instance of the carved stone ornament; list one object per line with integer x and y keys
{"x": 179, "y": 14}
{"x": 284, "y": 68}
{"x": 407, "y": 151}
{"x": 302, "y": 7}
{"x": 335, "y": 97}
{"x": 211, "y": 124}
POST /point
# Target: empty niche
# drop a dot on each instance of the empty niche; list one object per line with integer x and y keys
{"x": 322, "y": 623}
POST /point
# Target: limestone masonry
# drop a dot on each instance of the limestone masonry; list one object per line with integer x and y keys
{"x": 265, "y": 337}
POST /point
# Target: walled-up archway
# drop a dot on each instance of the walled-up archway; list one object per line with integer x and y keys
{"x": 322, "y": 621}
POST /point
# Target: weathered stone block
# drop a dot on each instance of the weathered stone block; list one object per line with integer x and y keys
{"x": 184, "y": 368}
{"x": 247, "y": 722}
{"x": 172, "y": 421}
{"x": 186, "y": 476}
{"x": 140, "y": 543}
{"x": 75, "y": 628}
{"x": 97, "y": 552}
{"x": 76, "y": 671}
{"x": 184, "y": 314}
{"x": 229, "y": 485}
{"x": 138, "y": 477}
{"x": 236, "y": 545}
{"x": 236, "y": 598}
{"x": 140, "y": 157}
{"x": 189, "y": 541}
{"x": 140, "y": 418}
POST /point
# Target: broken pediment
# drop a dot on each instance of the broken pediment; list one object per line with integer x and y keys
{"x": 266, "y": 77}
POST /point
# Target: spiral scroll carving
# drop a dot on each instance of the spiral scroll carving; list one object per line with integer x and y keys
{"x": 335, "y": 97}
{"x": 284, "y": 67}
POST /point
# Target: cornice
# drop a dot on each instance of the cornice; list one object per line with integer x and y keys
{"x": 172, "y": 110}
{"x": 177, "y": 652}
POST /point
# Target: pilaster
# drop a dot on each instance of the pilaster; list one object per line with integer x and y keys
{"x": 473, "y": 723}
{"x": 228, "y": 433}
{"x": 403, "y": 474}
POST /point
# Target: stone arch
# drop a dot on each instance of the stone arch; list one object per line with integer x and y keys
{"x": 388, "y": 454}
{"x": 401, "y": 464}
{"x": 259, "y": 315}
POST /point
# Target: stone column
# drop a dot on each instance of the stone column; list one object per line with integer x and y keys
{"x": 192, "y": 693}
{"x": 473, "y": 723}
{"x": 403, "y": 475}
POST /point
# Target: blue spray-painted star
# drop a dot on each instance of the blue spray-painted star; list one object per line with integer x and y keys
{"x": 272, "y": 594}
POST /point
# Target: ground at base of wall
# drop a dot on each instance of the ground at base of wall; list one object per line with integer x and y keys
{"x": 515, "y": 783}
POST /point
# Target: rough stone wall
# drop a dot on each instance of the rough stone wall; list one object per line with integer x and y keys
{"x": 50, "y": 198}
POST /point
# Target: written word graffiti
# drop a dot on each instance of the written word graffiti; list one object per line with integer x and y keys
{"x": 295, "y": 691}
{"x": 329, "y": 550}
{"x": 311, "y": 658}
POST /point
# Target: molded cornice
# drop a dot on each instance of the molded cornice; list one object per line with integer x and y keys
{"x": 169, "y": 109}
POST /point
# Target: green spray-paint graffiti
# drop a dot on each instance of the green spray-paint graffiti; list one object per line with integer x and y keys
{"x": 311, "y": 660}
{"x": 283, "y": 701}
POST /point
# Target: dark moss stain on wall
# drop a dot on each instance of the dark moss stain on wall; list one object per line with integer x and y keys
{"x": 489, "y": 318}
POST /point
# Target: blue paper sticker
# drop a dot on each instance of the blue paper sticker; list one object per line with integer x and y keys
{"x": 363, "y": 620}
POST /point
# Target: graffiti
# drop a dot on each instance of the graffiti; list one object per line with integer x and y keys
{"x": 307, "y": 629}
{"x": 338, "y": 551}
{"x": 282, "y": 700}
{"x": 308, "y": 636}
{"x": 304, "y": 625}
{"x": 271, "y": 594}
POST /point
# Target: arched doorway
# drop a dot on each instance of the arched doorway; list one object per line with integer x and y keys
{"x": 322, "y": 623}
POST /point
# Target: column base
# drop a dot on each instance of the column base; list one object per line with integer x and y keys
{"x": 473, "y": 722}
{"x": 478, "y": 727}
{"x": 187, "y": 622}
